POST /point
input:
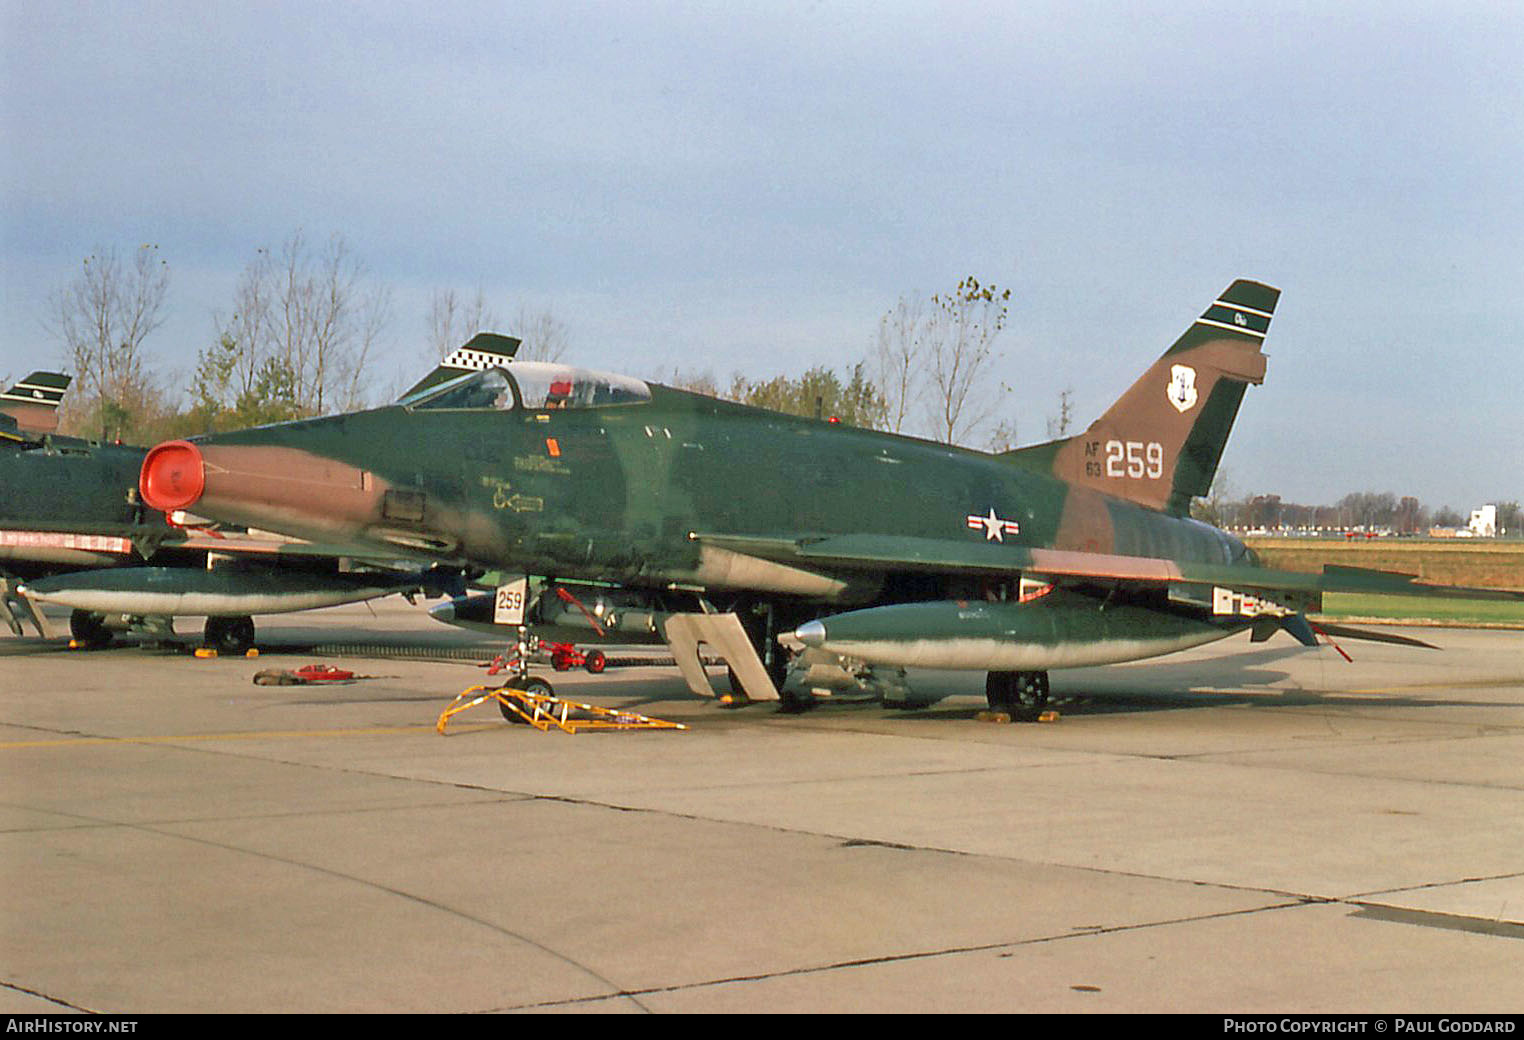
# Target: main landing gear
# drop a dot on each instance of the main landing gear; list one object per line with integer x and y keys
{"x": 1021, "y": 695}
{"x": 229, "y": 635}
{"x": 226, "y": 635}
{"x": 88, "y": 629}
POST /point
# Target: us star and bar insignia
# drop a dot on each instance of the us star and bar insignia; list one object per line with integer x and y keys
{"x": 995, "y": 529}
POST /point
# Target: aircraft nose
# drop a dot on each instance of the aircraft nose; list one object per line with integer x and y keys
{"x": 173, "y": 476}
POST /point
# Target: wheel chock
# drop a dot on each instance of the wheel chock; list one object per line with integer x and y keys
{"x": 1004, "y": 717}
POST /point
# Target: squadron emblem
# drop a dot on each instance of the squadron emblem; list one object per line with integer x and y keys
{"x": 1182, "y": 387}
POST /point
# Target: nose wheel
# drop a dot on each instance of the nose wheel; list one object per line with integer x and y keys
{"x": 1022, "y": 695}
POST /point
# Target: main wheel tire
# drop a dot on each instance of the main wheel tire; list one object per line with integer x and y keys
{"x": 229, "y": 635}
{"x": 595, "y": 662}
{"x": 1021, "y": 695}
{"x": 89, "y": 628}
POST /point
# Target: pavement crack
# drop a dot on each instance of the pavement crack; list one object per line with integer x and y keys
{"x": 1011, "y": 946}
{"x": 412, "y": 897}
{"x": 16, "y": 987}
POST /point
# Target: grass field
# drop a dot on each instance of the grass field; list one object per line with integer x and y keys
{"x": 1476, "y": 612}
{"x": 1478, "y": 563}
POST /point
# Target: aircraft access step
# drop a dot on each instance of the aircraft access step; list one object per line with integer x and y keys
{"x": 543, "y": 710}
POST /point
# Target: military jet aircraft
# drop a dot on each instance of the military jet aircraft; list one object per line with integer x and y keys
{"x": 74, "y": 532}
{"x": 888, "y": 549}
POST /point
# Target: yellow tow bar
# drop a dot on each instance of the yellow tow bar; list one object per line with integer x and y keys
{"x": 543, "y": 711}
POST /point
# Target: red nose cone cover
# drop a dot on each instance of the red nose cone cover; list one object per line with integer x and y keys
{"x": 172, "y": 477}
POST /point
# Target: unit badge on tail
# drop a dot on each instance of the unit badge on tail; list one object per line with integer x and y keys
{"x": 1182, "y": 387}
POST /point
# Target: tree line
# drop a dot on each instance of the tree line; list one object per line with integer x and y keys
{"x": 300, "y": 332}
{"x": 305, "y": 319}
{"x": 297, "y": 340}
{"x": 926, "y": 374}
{"x": 1364, "y": 511}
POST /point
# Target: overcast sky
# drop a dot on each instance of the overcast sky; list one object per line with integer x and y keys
{"x": 750, "y": 187}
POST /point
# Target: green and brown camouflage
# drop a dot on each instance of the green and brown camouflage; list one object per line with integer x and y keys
{"x": 74, "y": 532}
{"x": 65, "y": 502}
{"x": 1161, "y": 449}
{"x": 553, "y": 470}
{"x": 652, "y": 485}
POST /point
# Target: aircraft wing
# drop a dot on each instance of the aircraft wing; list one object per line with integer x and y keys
{"x": 903, "y": 553}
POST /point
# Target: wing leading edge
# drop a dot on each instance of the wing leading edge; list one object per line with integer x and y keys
{"x": 902, "y": 553}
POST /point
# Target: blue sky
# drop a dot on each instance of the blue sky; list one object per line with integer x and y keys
{"x": 749, "y": 188}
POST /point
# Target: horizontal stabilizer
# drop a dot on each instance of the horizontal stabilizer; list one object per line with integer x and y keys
{"x": 1345, "y": 632}
{"x": 1305, "y": 632}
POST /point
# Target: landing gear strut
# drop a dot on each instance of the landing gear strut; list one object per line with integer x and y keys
{"x": 1022, "y": 695}
{"x": 520, "y": 679}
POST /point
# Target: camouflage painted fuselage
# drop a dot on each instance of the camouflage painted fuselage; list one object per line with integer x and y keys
{"x": 67, "y": 503}
{"x": 667, "y": 491}
{"x": 1073, "y": 552}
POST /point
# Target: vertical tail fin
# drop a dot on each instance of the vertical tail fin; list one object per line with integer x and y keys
{"x": 33, "y": 401}
{"x": 1160, "y": 443}
{"x": 484, "y": 350}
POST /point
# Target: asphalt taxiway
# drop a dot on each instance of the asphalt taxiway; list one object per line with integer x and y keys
{"x": 1240, "y": 828}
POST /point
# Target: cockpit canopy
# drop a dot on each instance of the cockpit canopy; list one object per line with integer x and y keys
{"x": 532, "y": 386}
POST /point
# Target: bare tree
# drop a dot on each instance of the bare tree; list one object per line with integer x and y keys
{"x": 1002, "y": 438}
{"x": 307, "y": 321}
{"x": 102, "y": 317}
{"x": 1509, "y": 516}
{"x": 1058, "y": 425}
{"x": 1217, "y": 507}
{"x": 453, "y": 321}
{"x": 695, "y": 382}
{"x": 1411, "y": 517}
{"x": 545, "y": 336}
{"x": 1444, "y": 516}
{"x": 244, "y": 340}
{"x": 1368, "y": 509}
{"x": 897, "y": 360}
{"x": 960, "y": 334}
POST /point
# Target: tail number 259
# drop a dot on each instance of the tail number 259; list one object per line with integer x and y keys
{"x": 1135, "y": 459}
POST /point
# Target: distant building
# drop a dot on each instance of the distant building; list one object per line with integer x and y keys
{"x": 1483, "y": 522}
